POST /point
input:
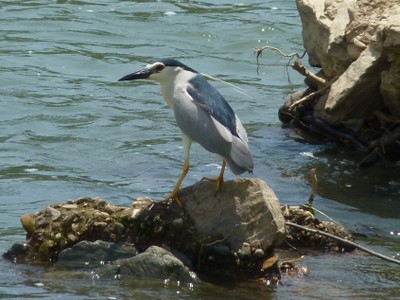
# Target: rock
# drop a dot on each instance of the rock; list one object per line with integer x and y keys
{"x": 357, "y": 41}
{"x": 28, "y": 222}
{"x": 155, "y": 263}
{"x": 244, "y": 211}
{"x": 390, "y": 83}
{"x": 54, "y": 213}
{"x": 355, "y": 94}
{"x": 357, "y": 45}
{"x": 302, "y": 215}
{"x": 18, "y": 251}
{"x": 205, "y": 236}
{"x": 95, "y": 253}
{"x": 324, "y": 23}
{"x": 245, "y": 251}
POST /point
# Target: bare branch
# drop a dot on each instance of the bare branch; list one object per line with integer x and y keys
{"x": 316, "y": 80}
{"x": 259, "y": 52}
{"x": 308, "y": 97}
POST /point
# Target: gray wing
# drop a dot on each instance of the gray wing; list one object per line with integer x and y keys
{"x": 207, "y": 97}
{"x": 239, "y": 158}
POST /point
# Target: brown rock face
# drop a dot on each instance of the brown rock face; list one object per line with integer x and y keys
{"x": 244, "y": 211}
{"x": 357, "y": 42}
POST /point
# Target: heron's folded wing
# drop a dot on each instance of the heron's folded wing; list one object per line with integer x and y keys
{"x": 208, "y": 98}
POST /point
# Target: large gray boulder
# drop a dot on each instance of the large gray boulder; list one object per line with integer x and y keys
{"x": 244, "y": 211}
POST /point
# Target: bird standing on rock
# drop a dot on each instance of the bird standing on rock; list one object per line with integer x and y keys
{"x": 203, "y": 115}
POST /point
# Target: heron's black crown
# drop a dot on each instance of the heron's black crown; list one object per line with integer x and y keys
{"x": 170, "y": 62}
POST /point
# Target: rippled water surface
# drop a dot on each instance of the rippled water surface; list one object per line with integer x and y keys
{"x": 69, "y": 129}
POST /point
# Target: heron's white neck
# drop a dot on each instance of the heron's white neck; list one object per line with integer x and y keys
{"x": 174, "y": 82}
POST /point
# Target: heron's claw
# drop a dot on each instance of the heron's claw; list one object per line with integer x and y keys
{"x": 172, "y": 197}
{"x": 218, "y": 182}
{"x": 220, "y": 179}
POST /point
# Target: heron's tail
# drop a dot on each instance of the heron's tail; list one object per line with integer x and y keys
{"x": 240, "y": 159}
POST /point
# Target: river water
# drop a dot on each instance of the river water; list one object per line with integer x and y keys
{"x": 68, "y": 129}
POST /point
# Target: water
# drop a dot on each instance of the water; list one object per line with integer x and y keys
{"x": 69, "y": 129}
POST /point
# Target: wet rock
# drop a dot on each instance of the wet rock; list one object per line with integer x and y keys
{"x": 17, "y": 251}
{"x": 29, "y": 224}
{"x": 299, "y": 238}
{"x": 244, "y": 211}
{"x": 245, "y": 251}
{"x": 54, "y": 213}
{"x": 224, "y": 236}
{"x": 155, "y": 262}
{"x": 94, "y": 253}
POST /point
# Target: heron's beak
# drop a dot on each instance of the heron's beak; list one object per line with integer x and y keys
{"x": 142, "y": 74}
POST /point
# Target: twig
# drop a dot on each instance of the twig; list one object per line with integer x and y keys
{"x": 310, "y": 96}
{"x": 328, "y": 217}
{"x": 259, "y": 52}
{"x": 344, "y": 241}
{"x": 314, "y": 185}
{"x": 316, "y": 80}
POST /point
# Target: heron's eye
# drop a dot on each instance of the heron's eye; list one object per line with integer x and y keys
{"x": 159, "y": 67}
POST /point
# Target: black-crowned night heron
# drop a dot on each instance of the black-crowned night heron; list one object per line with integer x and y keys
{"x": 203, "y": 115}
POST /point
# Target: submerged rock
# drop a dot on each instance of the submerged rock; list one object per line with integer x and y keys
{"x": 95, "y": 253}
{"x": 155, "y": 262}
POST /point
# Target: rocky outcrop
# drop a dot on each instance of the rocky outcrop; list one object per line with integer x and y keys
{"x": 224, "y": 237}
{"x": 356, "y": 43}
{"x": 228, "y": 234}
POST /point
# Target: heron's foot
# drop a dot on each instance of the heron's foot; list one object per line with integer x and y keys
{"x": 218, "y": 182}
{"x": 172, "y": 197}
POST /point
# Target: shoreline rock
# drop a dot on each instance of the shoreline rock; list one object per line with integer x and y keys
{"x": 238, "y": 235}
{"x": 356, "y": 45}
{"x": 224, "y": 237}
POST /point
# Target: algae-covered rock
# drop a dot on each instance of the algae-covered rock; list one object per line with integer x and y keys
{"x": 225, "y": 236}
{"x": 303, "y": 215}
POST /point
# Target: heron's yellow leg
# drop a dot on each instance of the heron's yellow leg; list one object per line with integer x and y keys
{"x": 187, "y": 142}
{"x": 175, "y": 191}
{"x": 220, "y": 179}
